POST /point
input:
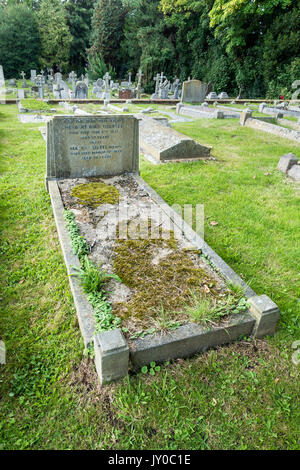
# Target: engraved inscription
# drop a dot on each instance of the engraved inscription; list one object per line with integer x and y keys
{"x": 90, "y": 139}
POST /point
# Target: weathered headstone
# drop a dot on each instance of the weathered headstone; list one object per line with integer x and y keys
{"x": 157, "y": 82}
{"x": 23, "y": 75}
{"x": 39, "y": 84}
{"x": 57, "y": 91}
{"x": 176, "y": 89}
{"x": 73, "y": 78}
{"x": 87, "y": 146}
{"x": 81, "y": 91}
{"x": 194, "y": 91}
{"x": 32, "y": 75}
{"x": 106, "y": 93}
{"x": 163, "y": 92}
{"x": 139, "y": 89}
{"x": 21, "y": 94}
{"x": 65, "y": 92}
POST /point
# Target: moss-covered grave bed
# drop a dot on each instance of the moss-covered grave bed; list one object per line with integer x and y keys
{"x": 161, "y": 282}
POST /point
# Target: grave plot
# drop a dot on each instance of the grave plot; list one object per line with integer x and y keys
{"x": 34, "y": 111}
{"x": 145, "y": 285}
{"x": 163, "y": 143}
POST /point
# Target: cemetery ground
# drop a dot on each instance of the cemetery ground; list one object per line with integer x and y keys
{"x": 242, "y": 396}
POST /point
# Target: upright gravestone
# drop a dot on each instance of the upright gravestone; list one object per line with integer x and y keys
{"x": 65, "y": 91}
{"x": 87, "y": 146}
{"x": 39, "y": 84}
{"x": 106, "y": 93}
{"x": 81, "y": 91}
{"x": 23, "y": 75}
{"x": 73, "y": 78}
{"x": 32, "y": 75}
{"x": 194, "y": 91}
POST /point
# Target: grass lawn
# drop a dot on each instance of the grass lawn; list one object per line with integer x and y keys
{"x": 243, "y": 396}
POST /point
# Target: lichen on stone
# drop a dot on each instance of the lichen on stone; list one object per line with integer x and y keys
{"x": 95, "y": 194}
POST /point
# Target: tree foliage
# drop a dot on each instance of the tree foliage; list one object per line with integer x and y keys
{"x": 55, "y": 34}
{"x": 107, "y": 31}
{"x": 247, "y": 45}
{"x": 19, "y": 40}
{"x": 79, "y": 17}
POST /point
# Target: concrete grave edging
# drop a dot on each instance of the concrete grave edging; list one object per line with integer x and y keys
{"x": 112, "y": 352}
{"x": 261, "y": 125}
{"x": 84, "y": 309}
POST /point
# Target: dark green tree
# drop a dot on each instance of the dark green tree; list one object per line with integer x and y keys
{"x": 79, "y": 17}
{"x": 19, "y": 40}
{"x": 107, "y": 31}
{"x": 55, "y": 35}
{"x": 148, "y": 41}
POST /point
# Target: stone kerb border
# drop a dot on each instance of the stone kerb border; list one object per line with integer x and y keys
{"x": 261, "y": 125}
{"x": 113, "y": 354}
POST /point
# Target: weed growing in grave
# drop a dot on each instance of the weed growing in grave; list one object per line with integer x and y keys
{"x": 89, "y": 351}
{"x": 152, "y": 369}
{"x": 92, "y": 279}
{"x": 79, "y": 245}
{"x": 211, "y": 311}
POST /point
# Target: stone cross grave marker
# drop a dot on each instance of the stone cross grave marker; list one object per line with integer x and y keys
{"x": 73, "y": 78}
{"x": 23, "y": 75}
{"x": 39, "y": 84}
{"x": 57, "y": 89}
{"x": 87, "y": 146}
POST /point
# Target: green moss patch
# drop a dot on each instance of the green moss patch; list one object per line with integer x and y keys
{"x": 95, "y": 194}
{"x": 162, "y": 278}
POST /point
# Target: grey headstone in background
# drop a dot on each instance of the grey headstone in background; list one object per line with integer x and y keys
{"x": 21, "y": 94}
{"x": 81, "y": 91}
{"x": 286, "y": 162}
{"x": 84, "y": 146}
{"x": 32, "y": 75}
{"x": 223, "y": 96}
{"x": 58, "y": 77}
{"x": 194, "y": 91}
{"x": 212, "y": 96}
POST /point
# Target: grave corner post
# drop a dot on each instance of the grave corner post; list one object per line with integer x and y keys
{"x": 266, "y": 314}
{"x": 111, "y": 355}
